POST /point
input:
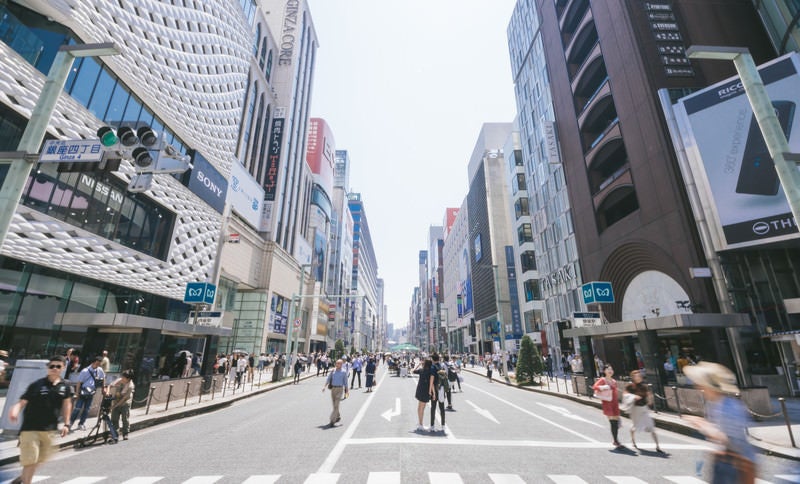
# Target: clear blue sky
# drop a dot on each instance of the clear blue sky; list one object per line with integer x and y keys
{"x": 405, "y": 87}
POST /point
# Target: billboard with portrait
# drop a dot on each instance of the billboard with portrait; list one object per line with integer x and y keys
{"x": 739, "y": 188}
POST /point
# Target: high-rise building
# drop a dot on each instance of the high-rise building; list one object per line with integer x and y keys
{"x": 364, "y": 277}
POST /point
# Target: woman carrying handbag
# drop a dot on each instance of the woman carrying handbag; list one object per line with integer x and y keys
{"x": 605, "y": 389}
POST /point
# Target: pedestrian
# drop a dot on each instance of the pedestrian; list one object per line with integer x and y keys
{"x": 121, "y": 392}
{"x": 640, "y": 408}
{"x": 241, "y": 369}
{"x": 251, "y": 364}
{"x": 669, "y": 369}
{"x": 105, "y": 364}
{"x": 605, "y": 388}
{"x": 336, "y": 382}
{"x": 548, "y": 366}
{"x": 357, "y": 364}
{"x": 40, "y": 406}
{"x": 489, "y": 367}
{"x": 89, "y": 380}
{"x": 577, "y": 365}
{"x": 370, "y": 371}
{"x": 725, "y": 423}
{"x": 298, "y": 368}
{"x": 454, "y": 375}
{"x": 448, "y": 375}
{"x": 424, "y": 391}
{"x": 439, "y": 388}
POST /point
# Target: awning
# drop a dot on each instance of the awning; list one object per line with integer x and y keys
{"x": 671, "y": 322}
{"x": 123, "y": 322}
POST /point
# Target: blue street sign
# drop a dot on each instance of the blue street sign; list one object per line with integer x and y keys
{"x": 200, "y": 292}
{"x": 597, "y": 292}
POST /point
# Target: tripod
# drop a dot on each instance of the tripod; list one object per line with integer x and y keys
{"x": 103, "y": 418}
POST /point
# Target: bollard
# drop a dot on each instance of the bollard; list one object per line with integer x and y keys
{"x": 149, "y": 399}
{"x": 224, "y": 386}
{"x": 252, "y": 382}
{"x": 259, "y": 379}
{"x": 169, "y": 396}
{"x": 786, "y": 418}
{"x": 213, "y": 387}
{"x": 677, "y": 401}
{"x": 558, "y": 389}
{"x": 548, "y": 384}
{"x": 200, "y": 393}
{"x": 565, "y": 384}
{"x": 655, "y": 402}
{"x": 186, "y": 396}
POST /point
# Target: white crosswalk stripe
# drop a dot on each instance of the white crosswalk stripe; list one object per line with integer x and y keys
{"x": 444, "y": 478}
{"x": 394, "y": 477}
{"x": 383, "y": 478}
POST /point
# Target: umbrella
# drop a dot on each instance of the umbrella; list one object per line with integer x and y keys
{"x": 404, "y": 347}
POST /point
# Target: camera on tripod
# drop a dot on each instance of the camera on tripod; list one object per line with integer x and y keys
{"x": 105, "y": 404}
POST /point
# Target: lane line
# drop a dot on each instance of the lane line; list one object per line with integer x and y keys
{"x": 565, "y": 479}
{"x": 383, "y": 478}
{"x": 528, "y": 412}
{"x": 685, "y": 480}
{"x": 266, "y": 479}
{"x": 338, "y": 449}
{"x": 143, "y": 480}
{"x": 203, "y": 480}
{"x": 322, "y": 478}
{"x": 509, "y": 443}
{"x": 444, "y": 478}
{"x": 506, "y": 479}
{"x": 625, "y": 480}
{"x": 85, "y": 480}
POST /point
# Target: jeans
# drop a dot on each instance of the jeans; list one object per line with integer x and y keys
{"x": 82, "y": 405}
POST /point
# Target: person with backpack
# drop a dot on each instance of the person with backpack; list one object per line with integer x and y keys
{"x": 441, "y": 388}
{"x": 445, "y": 365}
{"x": 453, "y": 376}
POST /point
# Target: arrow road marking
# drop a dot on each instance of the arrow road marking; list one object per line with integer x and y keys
{"x": 392, "y": 413}
{"x": 563, "y": 411}
{"x": 483, "y": 411}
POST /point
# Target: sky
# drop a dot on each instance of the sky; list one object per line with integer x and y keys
{"x": 405, "y": 86}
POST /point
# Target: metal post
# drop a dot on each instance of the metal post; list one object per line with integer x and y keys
{"x": 213, "y": 387}
{"x": 169, "y": 396}
{"x": 149, "y": 399}
{"x": 186, "y": 396}
{"x": 32, "y": 137}
{"x": 655, "y": 403}
{"x": 677, "y": 400}
{"x": 786, "y": 419}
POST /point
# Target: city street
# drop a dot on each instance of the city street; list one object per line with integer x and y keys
{"x": 497, "y": 434}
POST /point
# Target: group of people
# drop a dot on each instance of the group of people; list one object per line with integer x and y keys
{"x": 50, "y": 399}
{"x": 437, "y": 377}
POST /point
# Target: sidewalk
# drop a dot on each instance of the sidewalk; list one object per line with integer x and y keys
{"x": 139, "y": 418}
{"x": 771, "y": 436}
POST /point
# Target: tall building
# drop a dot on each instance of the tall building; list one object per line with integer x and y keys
{"x": 341, "y": 247}
{"x": 633, "y": 223}
{"x": 550, "y": 302}
{"x": 364, "y": 278}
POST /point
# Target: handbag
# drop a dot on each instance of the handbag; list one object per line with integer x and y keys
{"x": 87, "y": 392}
{"x": 604, "y": 394}
{"x": 627, "y": 402}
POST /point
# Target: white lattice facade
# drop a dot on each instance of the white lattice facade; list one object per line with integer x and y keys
{"x": 188, "y": 62}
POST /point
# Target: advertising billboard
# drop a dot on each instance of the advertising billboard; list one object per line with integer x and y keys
{"x": 320, "y": 149}
{"x": 206, "y": 182}
{"x": 728, "y": 158}
{"x": 245, "y": 196}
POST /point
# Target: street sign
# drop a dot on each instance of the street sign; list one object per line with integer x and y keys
{"x": 72, "y": 150}
{"x": 207, "y": 318}
{"x": 597, "y": 292}
{"x": 582, "y": 320}
{"x": 297, "y": 323}
{"x": 200, "y": 292}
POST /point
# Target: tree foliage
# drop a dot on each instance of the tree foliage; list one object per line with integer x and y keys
{"x": 529, "y": 362}
{"x": 338, "y": 349}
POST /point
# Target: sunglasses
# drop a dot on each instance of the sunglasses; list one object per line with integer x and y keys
{"x": 55, "y": 367}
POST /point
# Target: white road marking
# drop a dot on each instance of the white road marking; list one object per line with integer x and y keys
{"x": 322, "y": 478}
{"x": 85, "y": 480}
{"x": 143, "y": 480}
{"x": 444, "y": 478}
{"x": 507, "y": 443}
{"x": 392, "y": 413}
{"x": 566, "y": 413}
{"x": 625, "y": 480}
{"x": 482, "y": 411}
{"x": 338, "y": 449}
{"x": 383, "y": 478}
{"x": 534, "y": 415}
{"x": 267, "y": 479}
{"x": 203, "y": 480}
{"x": 685, "y": 480}
{"x": 564, "y": 479}
{"x": 506, "y": 479}
{"x": 789, "y": 477}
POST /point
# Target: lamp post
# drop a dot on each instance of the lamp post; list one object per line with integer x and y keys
{"x": 32, "y": 137}
{"x": 295, "y": 314}
{"x": 446, "y": 327}
{"x": 503, "y": 355}
{"x": 778, "y": 146}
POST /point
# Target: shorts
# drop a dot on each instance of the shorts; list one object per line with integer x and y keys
{"x": 35, "y": 447}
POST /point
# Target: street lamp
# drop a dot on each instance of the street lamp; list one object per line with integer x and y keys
{"x": 764, "y": 113}
{"x": 32, "y": 137}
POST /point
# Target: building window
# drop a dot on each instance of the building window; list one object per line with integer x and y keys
{"x": 524, "y": 234}
{"x": 532, "y": 290}
{"x": 521, "y": 207}
{"x": 528, "y": 260}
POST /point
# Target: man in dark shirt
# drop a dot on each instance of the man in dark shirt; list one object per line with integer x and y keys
{"x": 41, "y": 404}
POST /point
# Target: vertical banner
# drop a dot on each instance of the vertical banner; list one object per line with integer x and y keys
{"x": 511, "y": 270}
{"x": 274, "y": 155}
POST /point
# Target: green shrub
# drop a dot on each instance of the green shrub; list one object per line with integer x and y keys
{"x": 529, "y": 362}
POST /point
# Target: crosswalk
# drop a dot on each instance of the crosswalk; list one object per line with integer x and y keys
{"x": 395, "y": 478}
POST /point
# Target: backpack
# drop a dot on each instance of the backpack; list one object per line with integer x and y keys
{"x": 451, "y": 373}
{"x": 441, "y": 378}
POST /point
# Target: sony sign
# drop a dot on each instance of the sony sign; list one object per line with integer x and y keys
{"x": 288, "y": 33}
{"x": 560, "y": 276}
{"x": 207, "y": 183}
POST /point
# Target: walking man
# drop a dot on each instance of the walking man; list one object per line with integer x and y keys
{"x": 90, "y": 378}
{"x": 337, "y": 384}
{"x": 357, "y": 364}
{"x": 40, "y": 405}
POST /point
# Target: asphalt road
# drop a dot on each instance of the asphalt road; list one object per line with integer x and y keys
{"x": 497, "y": 434}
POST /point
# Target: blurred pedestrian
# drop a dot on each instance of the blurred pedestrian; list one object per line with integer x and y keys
{"x": 440, "y": 389}
{"x": 121, "y": 392}
{"x": 489, "y": 367}
{"x": 40, "y": 405}
{"x": 640, "y": 408}
{"x": 725, "y": 423}
{"x": 356, "y": 366}
{"x": 605, "y": 388}
{"x": 336, "y": 382}
{"x": 370, "y": 371}
{"x": 105, "y": 364}
{"x": 298, "y": 368}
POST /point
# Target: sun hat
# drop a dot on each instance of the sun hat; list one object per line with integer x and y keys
{"x": 712, "y": 375}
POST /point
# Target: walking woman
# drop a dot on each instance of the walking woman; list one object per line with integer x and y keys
{"x": 423, "y": 393}
{"x": 640, "y": 409}
{"x": 489, "y": 370}
{"x": 370, "y": 374}
{"x": 605, "y": 389}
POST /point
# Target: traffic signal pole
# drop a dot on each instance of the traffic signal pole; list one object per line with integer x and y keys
{"x": 32, "y": 137}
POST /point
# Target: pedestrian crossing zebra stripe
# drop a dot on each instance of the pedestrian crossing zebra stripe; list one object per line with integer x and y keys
{"x": 390, "y": 477}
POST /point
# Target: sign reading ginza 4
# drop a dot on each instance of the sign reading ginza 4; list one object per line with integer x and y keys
{"x": 71, "y": 150}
